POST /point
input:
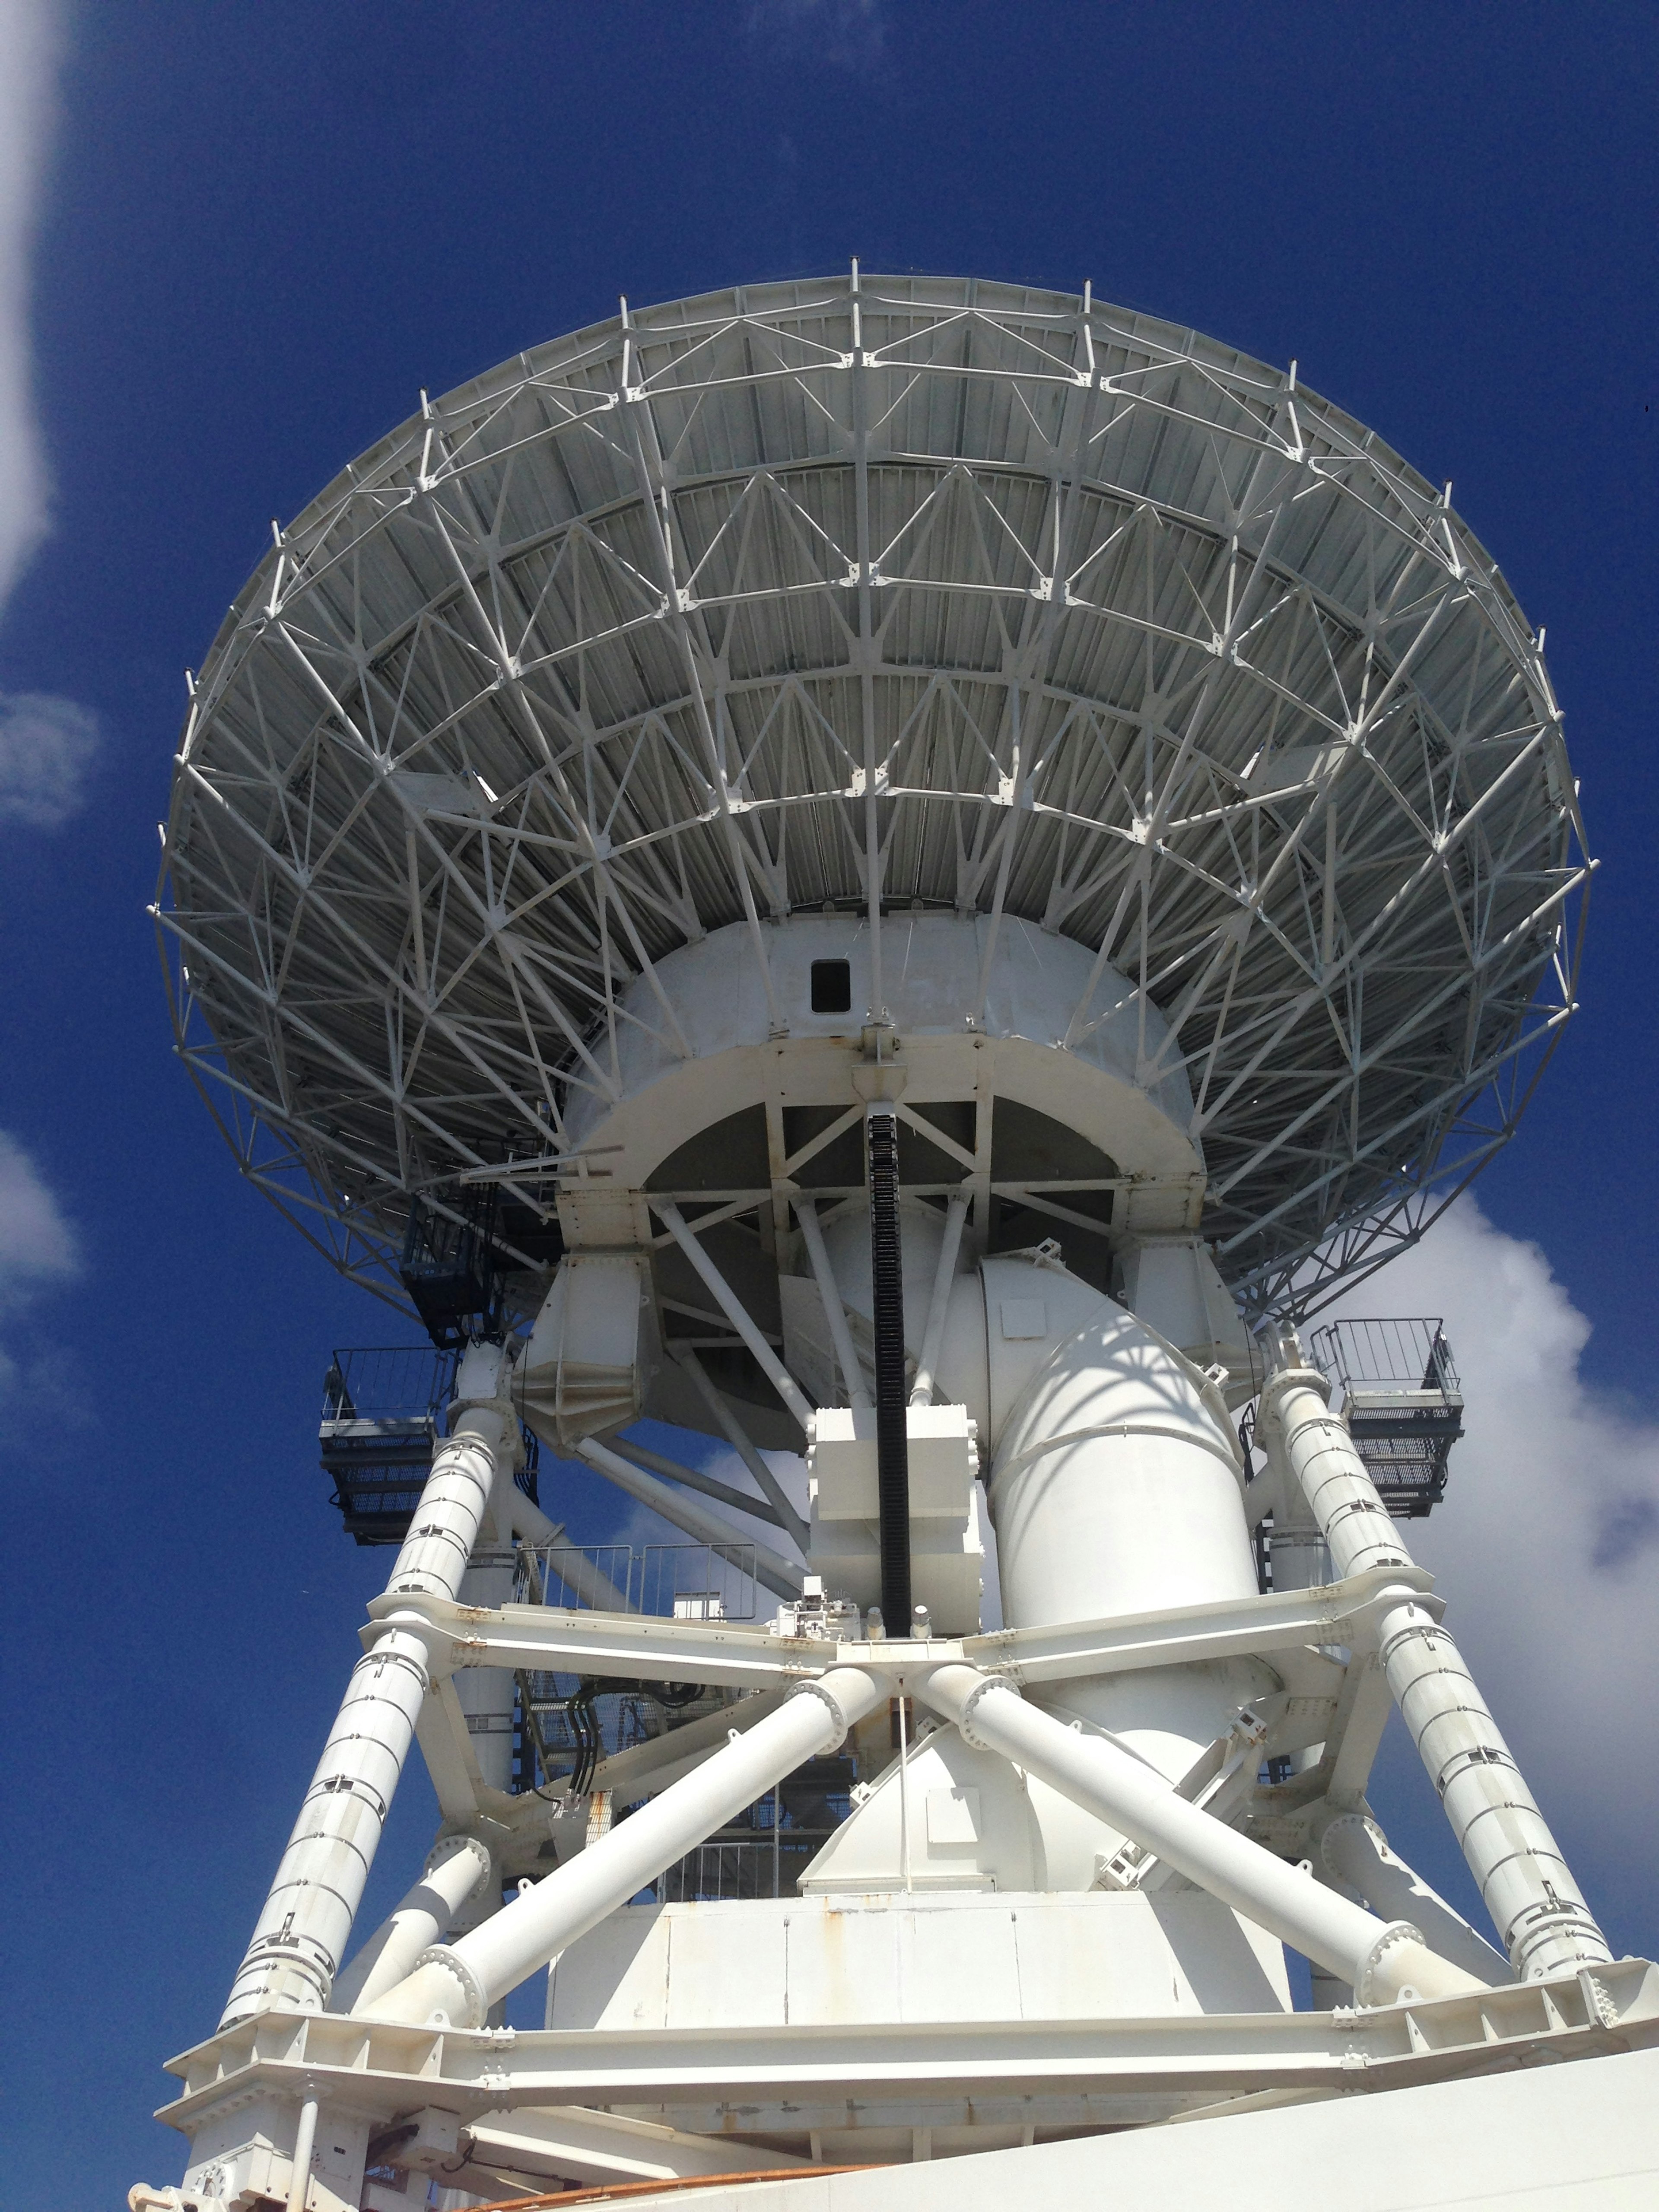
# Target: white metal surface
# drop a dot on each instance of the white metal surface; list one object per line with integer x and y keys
{"x": 1355, "y": 1853}
{"x": 1127, "y": 2070}
{"x": 1552, "y": 2139}
{"x": 456, "y": 1869}
{"x": 1115, "y": 1487}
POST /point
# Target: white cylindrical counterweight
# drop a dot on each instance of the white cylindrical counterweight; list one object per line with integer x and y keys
{"x": 303, "y": 1929}
{"x": 459, "y": 1982}
{"x": 1116, "y": 1488}
{"x": 1535, "y": 1903}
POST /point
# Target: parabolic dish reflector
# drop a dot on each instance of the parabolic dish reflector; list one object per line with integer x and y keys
{"x": 909, "y": 594}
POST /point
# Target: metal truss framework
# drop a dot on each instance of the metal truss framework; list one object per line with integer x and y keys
{"x": 879, "y": 594}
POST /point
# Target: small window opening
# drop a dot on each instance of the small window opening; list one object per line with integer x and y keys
{"x": 832, "y": 987}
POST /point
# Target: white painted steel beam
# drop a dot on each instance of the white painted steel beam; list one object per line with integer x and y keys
{"x": 1338, "y": 1612}
{"x": 740, "y": 1655}
{"x": 1355, "y": 1853}
{"x": 739, "y": 1438}
{"x": 388, "y": 2067}
{"x": 568, "y": 2144}
{"x": 835, "y": 1310}
{"x": 921, "y": 1390}
{"x": 451, "y": 1765}
{"x": 1527, "y": 1888}
{"x": 692, "y": 1478}
{"x": 729, "y": 1653}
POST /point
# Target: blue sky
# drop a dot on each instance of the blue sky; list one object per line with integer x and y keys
{"x": 236, "y": 241}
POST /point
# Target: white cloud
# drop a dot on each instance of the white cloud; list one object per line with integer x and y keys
{"x": 848, "y": 34}
{"x": 29, "y": 58}
{"x": 37, "y": 1245}
{"x": 37, "y": 1252}
{"x": 46, "y": 749}
{"x": 1546, "y": 1545}
{"x": 47, "y": 744}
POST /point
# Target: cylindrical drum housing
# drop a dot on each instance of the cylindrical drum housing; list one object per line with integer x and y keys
{"x": 1116, "y": 1488}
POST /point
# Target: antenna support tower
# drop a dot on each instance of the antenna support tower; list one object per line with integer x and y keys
{"x": 902, "y": 878}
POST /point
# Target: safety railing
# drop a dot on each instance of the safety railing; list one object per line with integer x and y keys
{"x": 672, "y": 1581}
{"x": 1404, "y": 1404}
{"x": 1386, "y": 1355}
{"x": 385, "y": 1408}
{"x": 407, "y": 1383}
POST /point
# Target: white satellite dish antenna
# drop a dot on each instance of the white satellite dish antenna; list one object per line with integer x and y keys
{"x": 915, "y": 870}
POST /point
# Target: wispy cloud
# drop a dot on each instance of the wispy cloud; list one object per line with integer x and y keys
{"x": 28, "y": 58}
{"x": 39, "y": 1252}
{"x": 47, "y": 746}
{"x": 1546, "y": 1545}
{"x": 37, "y": 1245}
{"x": 848, "y": 34}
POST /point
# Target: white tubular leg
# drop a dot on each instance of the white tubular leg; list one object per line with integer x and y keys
{"x": 1527, "y": 1888}
{"x": 921, "y": 1391}
{"x": 1379, "y": 1958}
{"x": 459, "y": 1982}
{"x": 302, "y": 1932}
{"x": 455, "y": 1868}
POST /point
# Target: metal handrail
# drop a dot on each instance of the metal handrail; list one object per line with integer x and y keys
{"x": 1392, "y": 1354}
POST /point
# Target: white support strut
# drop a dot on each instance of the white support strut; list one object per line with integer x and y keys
{"x": 302, "y": 1933}
{"x": 1535, "y": 1903}
{"x": 1379, "y": 1958}
{"x": 1355, "y": 1853}
{"x": 740, "y": 1442}
{"x": 456, "y": 1868}
{"x": 735, "y": 1311}
{"x": 783, "y": 1577}
{"x": 835, "y": 1309}
{"x": 459, "y": 1983}
{"x": 921, "y": 1391}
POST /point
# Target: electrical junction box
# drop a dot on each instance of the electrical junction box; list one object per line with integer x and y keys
{"x": 947, "y": 1537}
